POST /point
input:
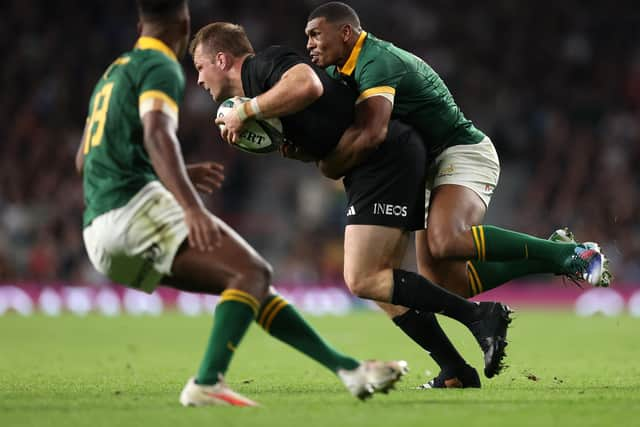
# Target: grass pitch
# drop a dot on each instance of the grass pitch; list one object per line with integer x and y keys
{"x": 128, "y": 371}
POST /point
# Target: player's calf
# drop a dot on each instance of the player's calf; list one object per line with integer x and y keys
{"x": 450, "y": 243}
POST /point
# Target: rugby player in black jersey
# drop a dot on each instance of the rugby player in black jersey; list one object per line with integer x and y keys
{"x": 385, "y": 193}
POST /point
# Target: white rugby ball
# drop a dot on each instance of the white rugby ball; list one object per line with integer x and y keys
{"x": 258, "y": 136}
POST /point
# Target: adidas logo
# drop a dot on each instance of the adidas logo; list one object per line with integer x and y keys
{"x": 351, "y": 211}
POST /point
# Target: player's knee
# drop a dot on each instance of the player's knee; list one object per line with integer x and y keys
{"x": 263, "y": 273}
{"x": 255, "y": 278}
{"x": 444, "y": 243}
{"x": 357, "y": 283}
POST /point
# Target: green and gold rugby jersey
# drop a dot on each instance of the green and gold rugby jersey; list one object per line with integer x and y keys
{"x": 419, "y": 96}
{"x": 116, "y": 164}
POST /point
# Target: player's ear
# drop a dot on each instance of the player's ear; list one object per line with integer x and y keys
{"x": 221, "y": 60}
{"x": 346, "y": 32}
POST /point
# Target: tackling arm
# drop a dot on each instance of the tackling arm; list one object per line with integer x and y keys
{"x": 298, "y": 87}
{"x": 362, "y": 138}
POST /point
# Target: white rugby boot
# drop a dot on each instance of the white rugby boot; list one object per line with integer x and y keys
{"x": 373, "y": 376}
{"x": 206, "y": 395}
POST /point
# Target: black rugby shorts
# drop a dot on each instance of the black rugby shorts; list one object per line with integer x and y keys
{"x": 389, "y": 188}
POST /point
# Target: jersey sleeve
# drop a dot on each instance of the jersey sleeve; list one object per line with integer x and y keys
{"x": 161, "y": 89}
{"x": 380, "y": 76}
{"x": 272, "y": 63}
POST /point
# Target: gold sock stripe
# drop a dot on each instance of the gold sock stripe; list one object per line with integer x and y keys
{"x": 242, "y": 297}
{"x": 244, "y": 294}
{"x": 282, "y": 304}
{"x": 476, "y": 276}
{"x": 472, "y": 280}
{"x": 242, "y": 300}
{"x": 476, "y": 240}
{"x": 264, "y": 312}
{"x": 484, "y": 245}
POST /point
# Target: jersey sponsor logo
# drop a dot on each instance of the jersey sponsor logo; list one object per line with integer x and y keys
{"x": 351, "y": 211}
{"x": 389, "y": 209}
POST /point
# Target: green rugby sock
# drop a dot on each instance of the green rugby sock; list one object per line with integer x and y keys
{"x": 233, "y": 316}
{"x": 497, "y": 244}
{"x": 281, "y": 320}
{"x": 484, "y": 276}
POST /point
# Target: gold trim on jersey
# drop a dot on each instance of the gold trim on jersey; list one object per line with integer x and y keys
{"x": 384, "y": 91}
{"x": 350, "y": 65}
{"x": 155, "y": 100}
{"x": 155, "y": 44}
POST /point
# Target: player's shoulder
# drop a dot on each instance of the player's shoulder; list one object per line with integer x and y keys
{"x": 278, "y": 51}
{"x": 151, "y": 65}
{"x": 154, "y": 58}
{"x": 381, "y": 50}
{"x": 378, "y": 54}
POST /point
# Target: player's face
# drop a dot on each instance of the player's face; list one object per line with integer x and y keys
{"x": 325, "y": 42}
{"x": 211, "y": 77}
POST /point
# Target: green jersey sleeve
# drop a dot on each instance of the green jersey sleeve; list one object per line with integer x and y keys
{"x": 380, "y": 77}
{"x": 161, "y": 88}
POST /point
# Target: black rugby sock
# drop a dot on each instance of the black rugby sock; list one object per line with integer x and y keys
{"x": 424, "y": 329}
{"x": 414, "y": 291}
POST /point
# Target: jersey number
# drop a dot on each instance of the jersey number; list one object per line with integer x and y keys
{"x": 93, "y": 137}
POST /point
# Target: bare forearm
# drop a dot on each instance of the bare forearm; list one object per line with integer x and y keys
{"x": 354, "y": 148}
{"x": 360, "y": 139}
{"x": 166, "y": 159}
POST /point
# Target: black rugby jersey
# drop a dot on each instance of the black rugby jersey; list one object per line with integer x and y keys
{"x": 318, "y": 128}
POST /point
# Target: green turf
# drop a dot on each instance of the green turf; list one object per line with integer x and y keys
{"x": 128, "y": 371}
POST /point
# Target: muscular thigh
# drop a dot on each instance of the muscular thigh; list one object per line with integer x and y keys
{"x": 212, "y": 272}
{"x": 372, "y": 248}
{"x": 453, "y": 209}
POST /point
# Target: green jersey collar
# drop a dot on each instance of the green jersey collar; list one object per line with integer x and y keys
{"x": 155, "y": 44}
{"x": 350, "y": 65}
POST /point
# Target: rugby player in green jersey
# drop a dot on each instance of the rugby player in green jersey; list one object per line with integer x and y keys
{"x": 456, "y": 249}
{"x": 144, "y": 224}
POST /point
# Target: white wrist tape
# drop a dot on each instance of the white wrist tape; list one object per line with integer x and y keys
{"x": 242, "y": 111}
{"x": 256, "y": 108}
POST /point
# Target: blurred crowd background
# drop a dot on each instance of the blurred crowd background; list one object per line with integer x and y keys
{"x": 555, "y": 84}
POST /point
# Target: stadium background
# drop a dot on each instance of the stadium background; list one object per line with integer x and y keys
{"x": 556, "y": 86}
